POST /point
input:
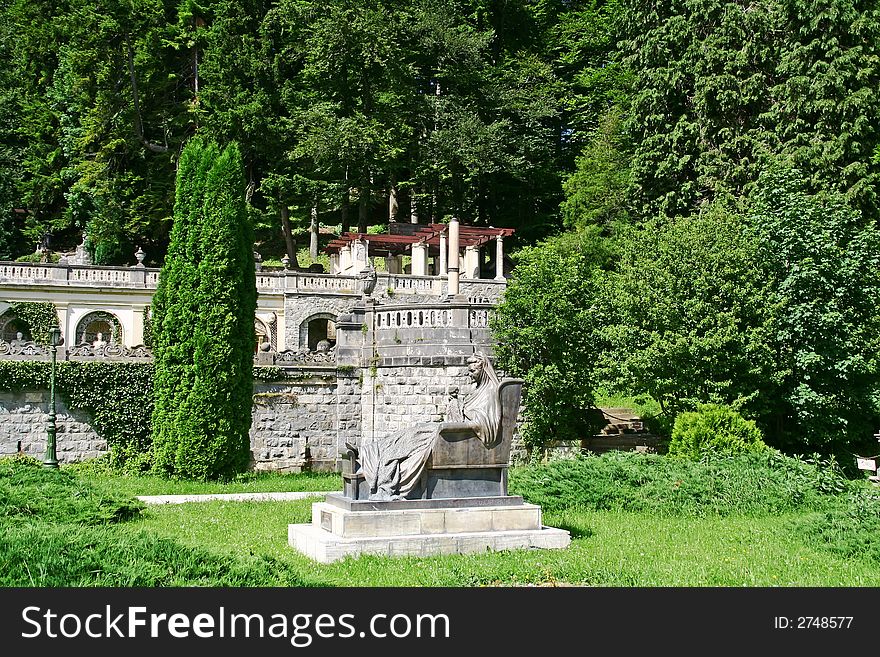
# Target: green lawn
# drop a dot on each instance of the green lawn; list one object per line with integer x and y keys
{"x": 608, "y": 549}
{"x": 635, "y": 520}
{"x": 264, "y": 482}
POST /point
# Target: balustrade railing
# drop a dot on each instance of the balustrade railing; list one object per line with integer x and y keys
{"x": 477, "y": 291}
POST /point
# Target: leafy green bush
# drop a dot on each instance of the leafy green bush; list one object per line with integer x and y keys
{"x": 39, "y": 316}
{"x": 546, "y": 333}
{"x": 714, "y": 429}
{"x": 118, "y": 396}
{"x": 754, "y": 483}
{"x": 686, "y": 312}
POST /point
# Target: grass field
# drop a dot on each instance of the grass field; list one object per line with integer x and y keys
{"x": 635, "y": 521}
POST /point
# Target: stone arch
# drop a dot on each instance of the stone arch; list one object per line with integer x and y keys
{"x": 317, "y": 327}
{"x": 300, "y": 310}
{"x": 99, "y": 321}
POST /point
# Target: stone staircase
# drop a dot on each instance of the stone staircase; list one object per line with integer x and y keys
{"x": 623, "y": 431}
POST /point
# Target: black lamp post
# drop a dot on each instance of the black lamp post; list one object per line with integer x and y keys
{"x": 50, "y": 460}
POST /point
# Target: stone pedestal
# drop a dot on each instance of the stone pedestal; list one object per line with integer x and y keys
{"x": 343, "y": 527}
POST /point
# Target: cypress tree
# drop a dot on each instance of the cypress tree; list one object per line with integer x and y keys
{"x": 215, "y": 418}
{"x": 172, "y": 306}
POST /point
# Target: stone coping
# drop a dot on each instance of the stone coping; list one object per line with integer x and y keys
{"x": 229, "y": 497}
{"x": 338, "y": 500}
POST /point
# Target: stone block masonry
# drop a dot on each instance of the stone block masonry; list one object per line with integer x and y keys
{"x": 294, "y": 423}
{"x": 398, "y": 396}
{"x": 23, "y": 417}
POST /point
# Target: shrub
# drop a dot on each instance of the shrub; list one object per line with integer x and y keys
{"x": 545, "y": 329}
{"x": 714, "y": 429}
{"x": 755, "y": 483}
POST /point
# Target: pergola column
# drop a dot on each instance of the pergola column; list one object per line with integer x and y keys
{"x": 392, "y": 264}
{"x": 136, "y": 336}
{"x": 471, "y": 262}
{"x": 452, "y": 263}
{"x": 419, "y": 259}
{"x": 344, "y": 259}
{"x": 442, "y": 268}
{"x": 499, "y": 258}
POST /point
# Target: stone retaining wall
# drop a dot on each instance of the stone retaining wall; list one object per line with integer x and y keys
{"x": 23, "y": 417}
{"x": 293, "y": 428}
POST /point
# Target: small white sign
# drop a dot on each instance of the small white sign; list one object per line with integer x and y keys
{"x": 867, "y": 464}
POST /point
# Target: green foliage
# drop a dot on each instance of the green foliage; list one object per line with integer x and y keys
{"x": 772, "y": 310}
{"x": 204, "y": 322}
{"x": 174, "y": 307}
{"x": 688, "y": 314}
{"x": 545, "y": 329}
{"x": 38, "y": 316}
{"x": 117, "y": 396}
{"x": 57, "y": 530}
{"x": 100, "y": 108}
{"x": 851, "y": 530}
{"x": 821, "y": 260}
{"x": 29, "y": 491}
{"x": 720, "y": 85}
{"x": 216, "y": 415}
{"x": 596, "y": 192}
{"x": 713, "y": 429}
{"x": 754, "y": 483}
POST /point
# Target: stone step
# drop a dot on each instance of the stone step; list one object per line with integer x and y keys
{"x": 637, "y": 442}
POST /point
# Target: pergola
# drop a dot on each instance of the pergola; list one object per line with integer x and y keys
{"x": 442, "y": 241}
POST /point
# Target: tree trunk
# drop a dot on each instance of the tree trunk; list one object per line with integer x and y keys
{"x": 343, "y": 210}
{"x": 393, "y": 204}
{"x": 313, "y": 233}
{"x": 288, "y": 237}
{"x": 413, "y": 208}
{"x": 363, "y": 206}
{"x": 135, "y": 96}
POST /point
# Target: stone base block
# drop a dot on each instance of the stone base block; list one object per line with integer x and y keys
{"x": 414, "y": 522}
{"x": 324, "y": 547}
{"x": 422, "y": 528}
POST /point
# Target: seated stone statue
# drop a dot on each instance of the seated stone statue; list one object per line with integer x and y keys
{"x": 394, "y": 465}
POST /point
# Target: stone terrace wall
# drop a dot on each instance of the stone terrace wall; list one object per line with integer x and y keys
{"x": 394, "y": 397}
{"x": 294, "y": 425}
{"x": 23, "y": 419}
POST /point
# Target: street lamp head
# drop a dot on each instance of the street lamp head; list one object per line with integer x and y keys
{"x": 55, "y": 336}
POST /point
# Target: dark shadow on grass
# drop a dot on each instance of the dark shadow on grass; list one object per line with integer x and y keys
{"x": 575, "y": 531}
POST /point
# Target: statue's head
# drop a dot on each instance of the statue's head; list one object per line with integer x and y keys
{"x": 476, "y": 366}
{"x": 19, "y": 336}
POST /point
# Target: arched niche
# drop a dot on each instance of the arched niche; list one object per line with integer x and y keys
{"x": 99, "y": 326}
{"x": 317, "y": 327}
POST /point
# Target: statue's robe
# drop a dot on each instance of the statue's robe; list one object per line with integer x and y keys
{"x": 393, "y": 465}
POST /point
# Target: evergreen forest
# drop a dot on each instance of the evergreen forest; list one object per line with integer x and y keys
{"x": 695, "y": 184}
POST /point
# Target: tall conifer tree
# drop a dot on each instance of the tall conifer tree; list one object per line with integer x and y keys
{"x": 204, "y": 310}
{"x": 215, "y": 417}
